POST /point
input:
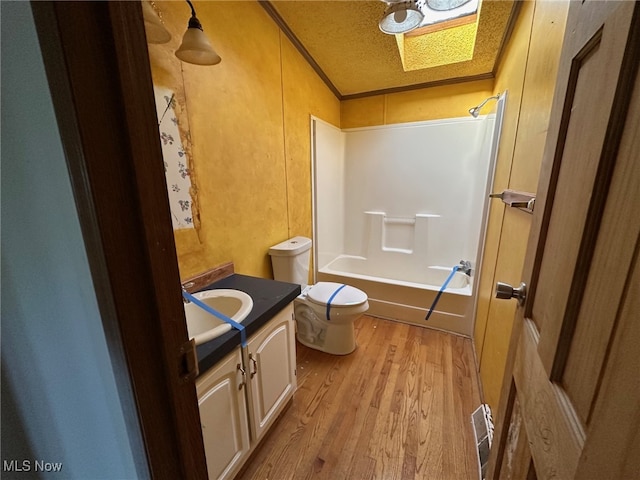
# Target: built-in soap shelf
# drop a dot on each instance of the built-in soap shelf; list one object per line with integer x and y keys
{"x": 522, "y": 200}
{"x": 402, "y": 220}
{"x": 397, "y": 234}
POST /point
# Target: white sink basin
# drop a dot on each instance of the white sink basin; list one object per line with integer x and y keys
{"x": 203, "y": 326}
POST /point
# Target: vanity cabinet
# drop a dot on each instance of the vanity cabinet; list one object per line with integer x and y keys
{"x": 223, "y": 416}
{"x": 243, "y": 394}
{"x": 271, "y": 367}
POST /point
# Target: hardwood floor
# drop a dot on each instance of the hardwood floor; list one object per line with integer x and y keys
{"x": 399, "y": 407}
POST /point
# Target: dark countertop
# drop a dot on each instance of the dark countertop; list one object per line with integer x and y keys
{"x": 269, "y": 297}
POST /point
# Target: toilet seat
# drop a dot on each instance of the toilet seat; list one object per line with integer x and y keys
{"x": 336, "y": 294}
{"x": 335, "y": 302}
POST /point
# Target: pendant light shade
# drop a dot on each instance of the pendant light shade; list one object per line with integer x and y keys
{"x": 401, "y": 17}
{"x": 153, "y": 26}
{"x": 196, "y": 47}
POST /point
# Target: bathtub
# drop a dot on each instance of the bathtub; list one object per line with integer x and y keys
{"x": 407, "y": 294}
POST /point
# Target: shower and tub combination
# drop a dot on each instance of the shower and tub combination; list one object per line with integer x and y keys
{"x": 396, "y": 207}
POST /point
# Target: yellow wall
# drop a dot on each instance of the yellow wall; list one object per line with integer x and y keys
{"x": 528, "y": 71}
{"x": 510, "y": 76}
{"x": 304, "y": 94}
{"x": 434, "y": 103}
{"x": 249, "y": 132}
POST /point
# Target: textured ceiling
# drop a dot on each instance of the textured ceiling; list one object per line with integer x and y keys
{"x": 344, "y": 40}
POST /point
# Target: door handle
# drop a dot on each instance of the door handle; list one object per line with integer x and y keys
{"x": 506, "y": 291}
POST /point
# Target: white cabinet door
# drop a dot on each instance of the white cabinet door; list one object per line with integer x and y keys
{"x": 223, "y": 416}
{"x": 271, "y": 366}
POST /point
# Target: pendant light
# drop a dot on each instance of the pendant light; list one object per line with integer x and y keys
{"x": 153, "y": 26}
{"x": 401, "y": 17}
{"x": 195, "y": 47}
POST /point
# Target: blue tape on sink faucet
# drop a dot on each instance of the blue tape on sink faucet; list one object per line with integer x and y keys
{"x": 331, "y": 299}
{"x": 442, "y": 289}
{"x": 221, "y": 316}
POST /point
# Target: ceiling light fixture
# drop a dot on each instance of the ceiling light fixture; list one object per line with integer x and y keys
{"x": 400, "y": 17}
{"x": 442, "y": 5}
{"x": 196, "y": 47}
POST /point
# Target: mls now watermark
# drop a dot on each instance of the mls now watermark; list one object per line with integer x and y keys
{"x": 30, "y": 466}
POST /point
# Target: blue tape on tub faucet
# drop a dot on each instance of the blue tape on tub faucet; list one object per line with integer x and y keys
{"x": 221, "y": 316}
{"x": 442, "y": 289}
{"x": 331, "y": 299}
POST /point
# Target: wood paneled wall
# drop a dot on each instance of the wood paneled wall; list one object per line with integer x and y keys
{"x": 433, "y": 103}
{"x": 528, "y": 71}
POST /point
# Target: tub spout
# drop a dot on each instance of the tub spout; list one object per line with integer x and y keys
{"x": 465, "y": 267}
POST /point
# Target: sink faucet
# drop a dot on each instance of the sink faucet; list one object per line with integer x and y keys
{"x": 184, "y": 298}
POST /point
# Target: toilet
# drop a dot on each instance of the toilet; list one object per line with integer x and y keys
{"x": 324, "y": 312}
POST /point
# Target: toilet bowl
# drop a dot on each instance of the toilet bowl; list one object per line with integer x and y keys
{"x": 324, "y": 312}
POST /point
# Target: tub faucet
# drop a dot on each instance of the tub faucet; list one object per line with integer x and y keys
{"x": 465, "y": 267}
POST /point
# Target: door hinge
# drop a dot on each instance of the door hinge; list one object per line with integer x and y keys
{"x": 188, "y": 361}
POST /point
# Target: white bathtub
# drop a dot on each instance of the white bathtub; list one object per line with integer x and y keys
{"x": 407, "y": 295}
{"x": 429, "y": 278}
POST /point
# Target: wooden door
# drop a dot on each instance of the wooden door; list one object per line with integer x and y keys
{"x": 97, "y": 65}
{"x": 570, "y": 404}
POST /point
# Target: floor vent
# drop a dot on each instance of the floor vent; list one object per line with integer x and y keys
{"x": 482, "y": 422}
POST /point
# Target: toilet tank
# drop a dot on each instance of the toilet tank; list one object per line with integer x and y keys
{"x": 290, "y": 260}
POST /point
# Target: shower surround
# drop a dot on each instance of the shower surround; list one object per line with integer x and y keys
{"x": 397, "y": 206}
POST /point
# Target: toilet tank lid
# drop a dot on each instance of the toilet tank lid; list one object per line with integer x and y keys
{"x": 346, "y": 295}
{"x": 290, "y": 247}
